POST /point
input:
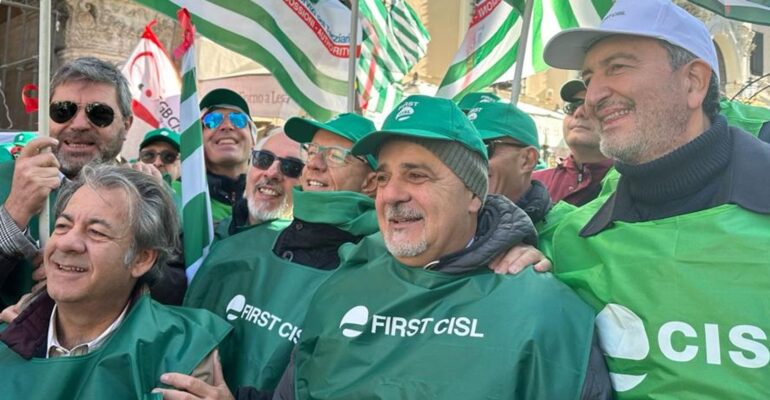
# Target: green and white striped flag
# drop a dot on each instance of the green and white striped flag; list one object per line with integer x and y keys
{"x": 303, "y": 43}
{"x": 488, "y": 52}
{"x": 394, "y": 41}
{"x": 197, "y": 223}
{"x": 753, "y": 11}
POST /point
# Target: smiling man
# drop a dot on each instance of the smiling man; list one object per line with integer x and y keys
{"x": 94, "y": 332}
{"x": 406, "y": 308}
{"x": 229, "y": 135}
{"x": 676, "y": 259}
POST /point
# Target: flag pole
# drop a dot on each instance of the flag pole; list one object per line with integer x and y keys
{"x": 352, "y": 56}
{"x": 43, "y": 95}
{"x": 522, "y": 51}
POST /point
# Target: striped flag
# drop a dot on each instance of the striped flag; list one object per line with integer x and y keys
{"x": 394, "y": 41}
{"x": 488, "y": 52}
{"x": 303, "y": 43}
{"x": 197, "y": 223}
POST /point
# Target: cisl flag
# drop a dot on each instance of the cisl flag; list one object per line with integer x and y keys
{"x": 155, "y": 85}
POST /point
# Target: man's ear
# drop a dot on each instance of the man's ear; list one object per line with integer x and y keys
{"x": 127, "y": 122}
{"x": 142, "y": 263}
{"x": 529, "y": 159}
{"x": 698, "y": 76}
{"x": 369, "y": 186}
{"x": 475, "y": 205}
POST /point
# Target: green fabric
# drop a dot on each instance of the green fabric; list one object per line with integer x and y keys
{"x": 265, "y": 296}
{"x": 497, "y": 120}
{"x": 428, "y": 118}
{"x": 161, "y": 135}
{"x": 152, "y": 340}
{"x": 683, "y": 300}
{"x": 470, "y": 100}
{"x": 524, "y": 336}
{"x": 19, "y": 282}
{"x": 219, "y": 210}
{"x": 747, "y": 117}
{"x": 222, "y": 230}
{"x": 5, "y": 154}
{"x": 350, "y": 211}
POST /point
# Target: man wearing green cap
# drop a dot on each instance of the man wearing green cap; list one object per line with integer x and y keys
{"x": 408, "y": 307}
{"x": 262, "y": 278}
{"x": 19, "y": 141}
{"x": 228, "y": 137}
{"x": 160, "y": 147}
{"x": 513, "y": 149}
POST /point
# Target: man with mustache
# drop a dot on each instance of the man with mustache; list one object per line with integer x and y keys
{"x": 577, "y": 179}
{"x": 94, "y": 332}
{"x": 229, "y": 135}
{"x": 513, "y": 148}
{"x": 408, "y": 307}
{"x": 675, "y": 260}
{"x": 268, "y": 192}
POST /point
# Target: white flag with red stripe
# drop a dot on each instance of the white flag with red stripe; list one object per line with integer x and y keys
{"x": 155, "y": 85}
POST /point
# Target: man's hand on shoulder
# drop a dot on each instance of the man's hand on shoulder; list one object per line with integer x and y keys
{"x": 35, "y": 175}
{"x": 190, "y": 388}
{"x": 518, "y": 258}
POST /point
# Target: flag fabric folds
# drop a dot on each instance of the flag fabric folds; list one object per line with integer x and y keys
{"x": 488, "y": 52}
{"x": 196, "y": 206}
{"x": 303, "y": 43}
{"x": 154, "y": 83}
{"x": 394, "y": 41}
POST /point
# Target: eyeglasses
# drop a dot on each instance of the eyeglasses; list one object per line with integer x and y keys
{"x": 290, "y": 166}
{"x": 99, "y": 114}
{"x": 167, "y": 157}
{"x": 572, "y": 106}
{"x": 334, "y": 155}
{"x": 493, "y": 144}
{"x": 212, "y": 120}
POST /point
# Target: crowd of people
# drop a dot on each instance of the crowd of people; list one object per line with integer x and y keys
{"x": 424, "y": 259}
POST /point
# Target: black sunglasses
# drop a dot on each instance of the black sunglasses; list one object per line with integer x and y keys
{"x": 492, "y": 146}
{"x": 168, "y": 157}
{"x": 99, "y": 114}
{"x": 263, "y": 159}
{"x": 572, "y": 106}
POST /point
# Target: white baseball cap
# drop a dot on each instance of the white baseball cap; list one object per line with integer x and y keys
{"x": 659, "y": 19}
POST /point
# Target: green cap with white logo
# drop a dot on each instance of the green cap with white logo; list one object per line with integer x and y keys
{"x": 471, "y": 99}
{"x": 22, "y": 138}
{"x": 161, "y": 135}
{"x": 350, "y": 126}
{"x": 497, "y": 120}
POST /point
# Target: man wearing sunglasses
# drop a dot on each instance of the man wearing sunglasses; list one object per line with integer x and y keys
{"x": 275, "y": 169}
{"x": 577, "y": 179}
{"x": 160, "y": 147}
{"x": 510, "y": 136}
{"x": 90, "y": 113}
{"x": 228, "y": 137}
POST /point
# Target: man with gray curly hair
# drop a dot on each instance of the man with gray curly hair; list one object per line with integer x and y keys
{"x": 115, "y": 228}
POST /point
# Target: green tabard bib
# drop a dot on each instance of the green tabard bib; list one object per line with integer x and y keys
{"x": 264, "y": 296}
{"x": 152, "y": 340}
{"x": 19, "y": 281}
{"x": 683, "y": 301}
{"x": 381, "y": 330}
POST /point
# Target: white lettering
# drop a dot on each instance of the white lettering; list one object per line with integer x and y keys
{"x": 713, "y": 355}
{"x": 738, "y": 337}
{"x": 664, "y": 339}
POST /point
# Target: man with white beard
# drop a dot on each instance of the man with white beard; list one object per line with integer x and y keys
{"x": 275, "y": 169}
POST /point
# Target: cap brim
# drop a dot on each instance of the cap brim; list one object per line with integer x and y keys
{"x": 567, "y": 49}
{"x": 371, "y": 143}
{"x": 302, "y": 130}
{"x": 570, "y": 89}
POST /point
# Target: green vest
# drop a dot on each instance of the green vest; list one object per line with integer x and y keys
{"x": 265, "y": 296}
{"x": 219, "y": 210}
{"x": 683, "y": 301}
{"x": 377, "y": 329}
{"x": 152, "y": 340}
{"x": 19, "y": 282}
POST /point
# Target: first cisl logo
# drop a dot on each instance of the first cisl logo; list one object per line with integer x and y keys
{"x": 622, "y": 335}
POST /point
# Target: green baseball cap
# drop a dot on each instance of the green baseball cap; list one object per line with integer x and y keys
{"x": 161, "y": 135}
{"x": 473, "y": 98}
{"x": 350, "y": 126}
{"x": 224, "y": 97}
{"x": 496, "y": 120}
{"x": 428, "y": 118}
{"x": 22, "y": 138}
